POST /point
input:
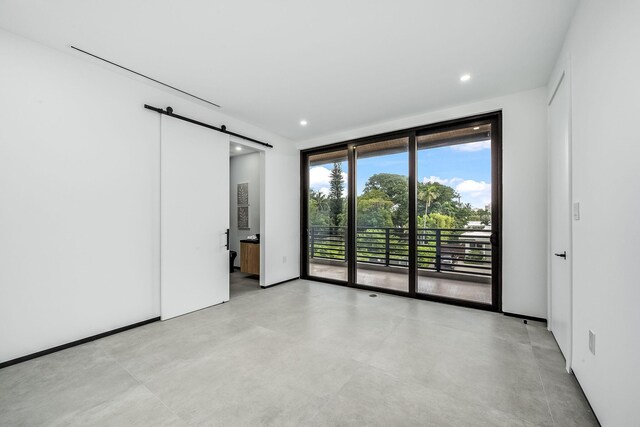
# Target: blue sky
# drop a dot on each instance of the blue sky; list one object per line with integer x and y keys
{"x": 467, "y": 168}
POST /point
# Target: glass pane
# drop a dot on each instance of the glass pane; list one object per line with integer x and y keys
{"x": 454, "y": 213}
{"x": 382, "y": 214}
{"x": 327, "y": 215}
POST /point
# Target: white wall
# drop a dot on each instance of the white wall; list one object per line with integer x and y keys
{"x": 524, "y": 260}
{"x": 244, "y": 168}
{"x": 602, "y": 49}
{"x": 79, "y": 206}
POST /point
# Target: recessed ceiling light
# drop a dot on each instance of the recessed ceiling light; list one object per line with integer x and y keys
{"x": 476, "y": 128}
{"x": 303, "y": 122}
{"x": 465, "y": 77}
{"x": 238, "y": 148}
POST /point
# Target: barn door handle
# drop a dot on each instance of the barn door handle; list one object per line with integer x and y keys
{"x": 227, "y": 233}
{"x": 493, "y": 239}
{"x": 562, "y": 255}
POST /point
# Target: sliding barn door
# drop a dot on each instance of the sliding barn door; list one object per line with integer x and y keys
{"x": 194, "y": 215}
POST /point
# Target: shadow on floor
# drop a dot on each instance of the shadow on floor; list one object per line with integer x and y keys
{"x": 242, "y": 284}
{"x": 450, "y": 288}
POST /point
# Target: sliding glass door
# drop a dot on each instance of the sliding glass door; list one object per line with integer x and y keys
{"x": 326, "y": 215}
{"x": 415, "y": 213}
{"x": 382, "y": 214}
{"x": 454, "y": 212}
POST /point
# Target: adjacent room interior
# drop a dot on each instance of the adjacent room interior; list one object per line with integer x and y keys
{"x": 245, "y": 170}
{"x": 339, "y": 213}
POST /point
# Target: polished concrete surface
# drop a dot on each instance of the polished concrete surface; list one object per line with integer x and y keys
{"x": 242, "y": 283}
{"x": 305, "y": 353}
{"x": 458, "y": 289}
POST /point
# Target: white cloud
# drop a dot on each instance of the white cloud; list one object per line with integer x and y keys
{"x": 477, "y": 193}
{"x": 472, "y": 146}
{"x": 320, "y": 177}
{"x": 443, "y": 181}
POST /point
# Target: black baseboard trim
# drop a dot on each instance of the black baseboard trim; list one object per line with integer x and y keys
{"x": 522, "y": 316}
{"x": 75, "y": 343}
{"x": 280, "y": 283}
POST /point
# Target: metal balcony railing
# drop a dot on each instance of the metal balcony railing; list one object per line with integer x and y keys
{"x": 456, "y": 250}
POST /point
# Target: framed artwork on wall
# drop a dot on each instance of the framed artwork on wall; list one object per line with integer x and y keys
{"x": 243, "y": 217}
{"x": 243, "y": 206}
{"x": 243, "y": 194}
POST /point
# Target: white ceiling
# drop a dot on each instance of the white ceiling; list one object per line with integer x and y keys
{"x": 234, "y": 152}
{"x": 338, "y": 64}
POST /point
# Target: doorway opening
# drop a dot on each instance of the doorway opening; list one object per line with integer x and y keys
{"x": 245, "y": 218}
{"x": 414, "y": 213}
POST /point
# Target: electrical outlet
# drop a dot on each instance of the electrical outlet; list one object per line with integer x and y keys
{"x": 576, "y": 211}
{"x": 284, "y": 259}
{"x": 592, "y": 342}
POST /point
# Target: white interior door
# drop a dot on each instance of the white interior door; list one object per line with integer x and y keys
{"x": 194, "y": 216}
{"x": 560, "y": 218}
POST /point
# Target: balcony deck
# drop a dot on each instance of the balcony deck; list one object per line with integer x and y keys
{"x": 458, "y": 289}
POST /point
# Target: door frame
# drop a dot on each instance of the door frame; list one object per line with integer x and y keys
{"x": 561, "y": 77}
{"x": 262, "y": 152}
{"x": 495, "y": 118}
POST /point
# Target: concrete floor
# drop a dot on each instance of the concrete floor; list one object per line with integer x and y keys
{"x": 305, "y": 353}
{"x": 458, "y": 289}
{"x": 242, "y": 283}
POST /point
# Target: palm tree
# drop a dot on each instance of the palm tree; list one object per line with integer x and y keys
{"x": 322, "y": 202}
{"x": 427, "y": 193}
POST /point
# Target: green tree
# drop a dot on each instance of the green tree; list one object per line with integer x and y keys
{"x": 437, "y": 220}
{"x": 375, "y": 213}
{"x": 446, "y": 201}
{"x": 318, "y": 208}
{"x": 336, "y": 188}
{"x": 375, "y": 194}
{"x": 463, "y": 213}
{"x": 427, "y": 194}
{"x": 385, "y": 196}
{"x": 482, "y": 215}
{"x": 434, "y": 197}
{"x": 395, "y": 187}
{"x": 342, "y": 218}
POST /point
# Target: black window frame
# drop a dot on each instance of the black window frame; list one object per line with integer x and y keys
{"x": 495, "y": 119}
